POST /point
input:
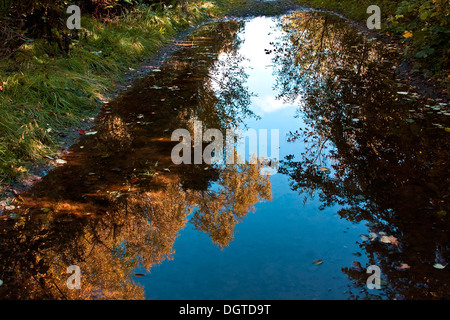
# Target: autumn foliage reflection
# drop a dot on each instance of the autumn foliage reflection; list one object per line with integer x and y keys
{"x": 119, "y": 203}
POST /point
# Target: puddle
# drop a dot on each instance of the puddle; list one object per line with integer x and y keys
{"x": 362, "y": 179}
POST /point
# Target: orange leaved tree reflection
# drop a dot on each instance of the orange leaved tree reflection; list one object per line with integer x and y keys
{"x": 119, "y": 203}
{"x": 241, "y": 187}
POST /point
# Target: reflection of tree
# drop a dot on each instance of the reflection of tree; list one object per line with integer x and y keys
{"x": 138, "y": 229}
{"x": 383, "y": 167}
{"x": 241, "y": 186}
{"x": 116, "y": 205}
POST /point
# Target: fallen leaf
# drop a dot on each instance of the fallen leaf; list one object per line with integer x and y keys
{"x": 389, "y": 239}
{"x": 90, "y": 133}
{"x": 323, "y": 169}
{"x": 139, "y": 274}
{"x": 318, "y": 262}
{"x": 357, "y": 266}
{"x": 61, "y": 161}
{"x": 439, "y": 266}
{"x": 134, "y": 180}
{"x": 403, "y": 266}
{"x": 364, "y": 237}
{"x": 407, "y": 34}
{"x": 81, "y": 131}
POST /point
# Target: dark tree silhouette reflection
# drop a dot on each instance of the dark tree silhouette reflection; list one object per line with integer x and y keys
{"x": 374, "y": 148}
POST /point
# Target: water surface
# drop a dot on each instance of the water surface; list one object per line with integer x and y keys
{"x": 362, "y": 179}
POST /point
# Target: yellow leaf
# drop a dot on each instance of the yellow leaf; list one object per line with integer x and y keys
{"x": 407, "y": 34}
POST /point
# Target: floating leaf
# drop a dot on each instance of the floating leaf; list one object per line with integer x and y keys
{"x": 318, "y": 262}
{"x": 389, "y": 239}
{"x": 324, "y": 170}
{"x": 139, "y": 274}
{"x": 403, "y": 266}
{"x": 356, "y": 265}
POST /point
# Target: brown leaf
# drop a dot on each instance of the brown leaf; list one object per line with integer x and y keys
{"x": 389, "y": 239}
{"x": 357, "y": 266}
{"x": 134, "y": 180}
{"x": 403, "y": 266}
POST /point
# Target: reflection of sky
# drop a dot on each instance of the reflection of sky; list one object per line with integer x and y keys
{"x": 275, "y": 114}
{"x": 273, "y": 249}
{"x": 258, "y": 34}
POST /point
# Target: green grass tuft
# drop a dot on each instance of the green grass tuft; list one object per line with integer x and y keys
{"x": 44, "y": 92}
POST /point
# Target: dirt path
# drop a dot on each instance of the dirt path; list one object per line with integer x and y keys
{"x": 427, "y": 88}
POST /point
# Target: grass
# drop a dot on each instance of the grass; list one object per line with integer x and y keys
{"x": 44, "y": 92}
